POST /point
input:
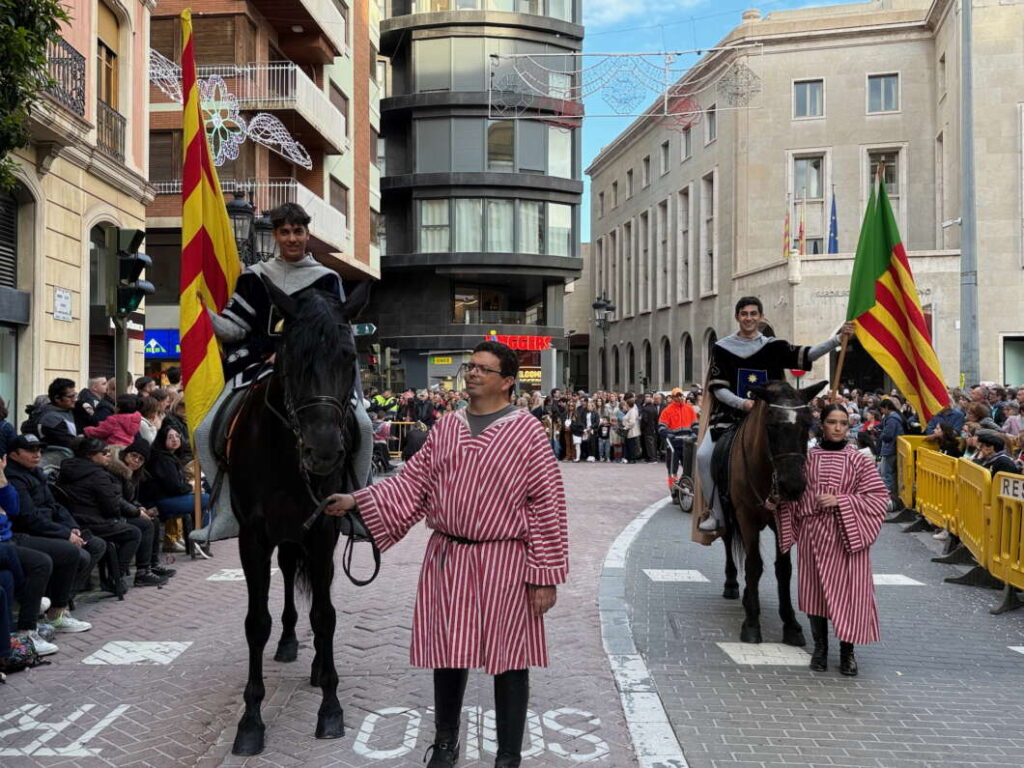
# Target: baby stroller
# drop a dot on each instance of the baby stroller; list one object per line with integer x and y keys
{"x": 679, "y": 461}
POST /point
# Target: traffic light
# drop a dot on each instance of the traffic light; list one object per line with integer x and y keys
{"x": 131, "y": 289}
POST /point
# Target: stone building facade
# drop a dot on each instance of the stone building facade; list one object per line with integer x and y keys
{"x": 686, "y": 222}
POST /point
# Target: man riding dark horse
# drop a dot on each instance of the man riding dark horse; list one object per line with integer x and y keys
{"x": 247, "y": 327}
{"x": 739, "y": 363}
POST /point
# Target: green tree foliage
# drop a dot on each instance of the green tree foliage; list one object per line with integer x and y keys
{"x": 25, "y": 28}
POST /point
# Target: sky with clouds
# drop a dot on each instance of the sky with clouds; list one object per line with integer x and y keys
{"x": 621, "y": 26}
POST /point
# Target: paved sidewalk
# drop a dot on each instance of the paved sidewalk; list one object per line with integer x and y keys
{"x": 158, "y": 680}
{"x": 944, "y": 688}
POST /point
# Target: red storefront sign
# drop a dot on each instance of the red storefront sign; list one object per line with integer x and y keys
{"x": 524, "y": 343}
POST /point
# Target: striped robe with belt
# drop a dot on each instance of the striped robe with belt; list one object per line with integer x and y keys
{"x": 833, "y": 563}
{"x": 502, "y": 491}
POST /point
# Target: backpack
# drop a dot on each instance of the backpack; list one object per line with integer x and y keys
{"x": 23, "y": 655}
{"x": 30, "y": 426}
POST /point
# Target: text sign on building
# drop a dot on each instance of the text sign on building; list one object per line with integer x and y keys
{"x": 441, "y": 360}
{"x": 1011, "y": 487}
{"x": 162, "y": 343}
{"x": 62, "y": 304}
{"x": 529, "y": 377}
{"x": 523, "y": 343}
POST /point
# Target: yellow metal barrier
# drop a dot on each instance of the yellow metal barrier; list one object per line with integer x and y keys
{"x": 936, "y": 488}
{"x": 1006, "y": 558}
{"x": 973, "y": 509}
{"x": 907, "y": 447}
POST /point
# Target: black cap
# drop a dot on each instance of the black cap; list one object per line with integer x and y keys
{"x": 25, "y": 442}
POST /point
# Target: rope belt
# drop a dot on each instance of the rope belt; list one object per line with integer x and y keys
{"x": 463, "y": 540}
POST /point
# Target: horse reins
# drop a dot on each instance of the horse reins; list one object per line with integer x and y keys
{"x": 769, "y": 501}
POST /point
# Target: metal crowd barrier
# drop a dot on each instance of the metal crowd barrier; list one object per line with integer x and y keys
{"x": 985, "y": 513}
{"x": 396, "y": 440}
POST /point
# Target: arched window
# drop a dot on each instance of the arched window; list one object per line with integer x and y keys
{"x": 710, "y": 338}
{"x": 615, "y": 367}
{"x": 647, "y": 375}
{"x": 631, "y": 370}
{"x": 687, "y": 358}
{"x": 602, "y": 361}
{"x": 666, "y": 363}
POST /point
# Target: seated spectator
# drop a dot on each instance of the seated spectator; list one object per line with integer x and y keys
{"x": 7, "y": 430}
{"x": 108, "y": 403}
{"x": 129, "y": 470}
{"x": 56, "y": 419}
{"x": 992, "y": 452}
{"x": 88, "y": 399}
{"x": 45, "y": 525}
{"x": 381, "y": 437}
{"x": 174, "y": 416}
{"x": 44, "y": 530}
{"x": 165, "y": 486}
{"x": 145, "y": 384}
{"x": 98, "y": 504}
{"x": 12, "y": 579}
{"x": 981, "y": 414}
{"x": 173, "y": 375}
{"x": 121, "y": 429}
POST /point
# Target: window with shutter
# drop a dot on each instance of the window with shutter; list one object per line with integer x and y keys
{"x": 165, "y": 36}
{"x": 214, "y": 39}
{"x": 8, "y": 241}
{"x": 163, "y": 165}
{"x": 339, "y": 196}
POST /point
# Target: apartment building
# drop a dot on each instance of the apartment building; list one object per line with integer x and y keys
{"x": 684, "y": 222}
{"x": 481, "y": 214}
{"x": 84, "y": 173}
{"x": 312, "y": 66}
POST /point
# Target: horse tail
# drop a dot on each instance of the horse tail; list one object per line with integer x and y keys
{"x": 734, "y": 537}
{"x": 303, "y": 577}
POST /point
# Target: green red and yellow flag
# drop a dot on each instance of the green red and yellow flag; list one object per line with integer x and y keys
{"x": 787, "y": 238}
{"x": 209, "y": 256}
{"x": 886, "y": 310}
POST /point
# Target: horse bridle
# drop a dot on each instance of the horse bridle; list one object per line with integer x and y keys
{"x": 769, "y": 501}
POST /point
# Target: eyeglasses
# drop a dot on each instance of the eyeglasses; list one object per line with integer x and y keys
{"x": 471, "y": 367}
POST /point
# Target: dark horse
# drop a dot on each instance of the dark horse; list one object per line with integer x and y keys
{"x": 766, "y": 460}
{"x": 293, "y": 444}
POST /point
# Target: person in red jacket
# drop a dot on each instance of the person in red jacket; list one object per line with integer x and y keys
{"x": 677, "y": 415}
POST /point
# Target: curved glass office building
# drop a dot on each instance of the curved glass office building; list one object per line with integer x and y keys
{"x": 480, "y": 210}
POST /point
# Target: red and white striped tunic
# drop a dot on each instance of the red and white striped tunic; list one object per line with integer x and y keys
{"x": 833, "y": 564}
{"x": 503, "y": 489}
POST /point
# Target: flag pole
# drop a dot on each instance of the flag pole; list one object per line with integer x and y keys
{"x": 839, "y": 368}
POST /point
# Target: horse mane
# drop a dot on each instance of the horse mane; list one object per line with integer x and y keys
{"x": 314, "y": 341}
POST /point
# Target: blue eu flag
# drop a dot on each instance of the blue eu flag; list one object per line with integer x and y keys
{"x": 833, "y": 229}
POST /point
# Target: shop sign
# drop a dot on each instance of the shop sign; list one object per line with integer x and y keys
{"x": 162, "y": 343}
{"x": 62, "y": 304}
{"x": 530, "y": 376}
{"x": 441, "y": 360}
{"x": 523, "y": 343}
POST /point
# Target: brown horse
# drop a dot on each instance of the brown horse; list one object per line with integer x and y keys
{"x": 766, "y": 457}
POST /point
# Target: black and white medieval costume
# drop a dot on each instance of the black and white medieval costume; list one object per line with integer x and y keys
{"x": 245, "y": 328}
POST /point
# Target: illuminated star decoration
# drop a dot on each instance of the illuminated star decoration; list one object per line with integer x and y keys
{"x": 225, "y": 127}
{"x": 752, "y": 379}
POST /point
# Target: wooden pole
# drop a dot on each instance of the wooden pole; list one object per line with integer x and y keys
{"x": 197, "y": 491}
{"x": 839, "y": 369}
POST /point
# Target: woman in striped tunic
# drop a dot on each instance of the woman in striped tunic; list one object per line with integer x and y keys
{"x": 833, "y": 525}
{"x": 488, "y": 485}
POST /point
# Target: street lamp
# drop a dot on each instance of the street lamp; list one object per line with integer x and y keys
{"x": 264, "y": 244}
{"x": 241, "y": 213}
{"x": 603, "y": 310}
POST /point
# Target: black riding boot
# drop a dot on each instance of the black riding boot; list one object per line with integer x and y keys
{"x": 819, "y": 631}
{"x": 449, "y": 689}
{"x": 511, "y": 697}
{"x": 847, "y": 661}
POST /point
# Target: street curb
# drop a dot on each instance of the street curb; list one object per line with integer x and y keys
{"x": 654, "y": 740}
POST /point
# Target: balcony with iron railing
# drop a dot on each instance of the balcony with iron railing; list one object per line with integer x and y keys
{"x": 282, "y": 85}
{"x": 328, "y": 225}
{"x": 469, "y": 316}
{"x": 58, "y": 118}
{"x": 66, "y": 68}
{"x": 110, "y": 130}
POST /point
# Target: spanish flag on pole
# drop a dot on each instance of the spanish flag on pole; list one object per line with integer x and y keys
{"x": 885, "y": 307}
{"x": 209, "y": 256}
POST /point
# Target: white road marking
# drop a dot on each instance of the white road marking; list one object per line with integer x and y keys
{"x": 896, "y": 580}
{"x": 232, "y": 574}
{"x": 122, "y": 652}
{"x": 765, "y": 654}
{"x": 26, "y": 721}
{"x": 654, "y": 741}
{"x": 1017, "y": 648}
{"x": 663, "y": 574}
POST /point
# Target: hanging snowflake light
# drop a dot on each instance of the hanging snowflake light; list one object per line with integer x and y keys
{"x": 739, "y": 85}
{"x": 622, "y": 93}
{"x": 225, "y": 127}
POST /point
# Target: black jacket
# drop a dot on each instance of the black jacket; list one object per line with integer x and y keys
{"x": 41, "y": 514}
{"x": 85, "y": 410}
{"x": 105, "y": 407}
{"x": 164, "y": 477}
{"x": 96, "y": 497}
{"x": 999, "y": 462}
{"x": 57, "y": 426}
{"x": 649, "y": 414}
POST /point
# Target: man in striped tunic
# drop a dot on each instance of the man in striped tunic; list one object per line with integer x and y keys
{"x": 833, "y": 525}
{"x": 488, "y": 485}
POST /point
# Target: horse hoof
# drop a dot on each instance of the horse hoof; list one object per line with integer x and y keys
{"x": 248, "y": 742}
{"x": 794, "y": 636}
{"x": 731, "y": 593}
{"x": 330, "y": 727}
{"x": 287, "y": 650}
{"x": 750, "y": 634}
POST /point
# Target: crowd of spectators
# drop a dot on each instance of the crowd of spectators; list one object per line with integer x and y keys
{"x": 92, "y": 487}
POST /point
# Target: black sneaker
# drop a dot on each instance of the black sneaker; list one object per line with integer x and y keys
{"x": 149, "y": 579}
{"x": 163, "y": 570}
{"x": 442, "y": 754}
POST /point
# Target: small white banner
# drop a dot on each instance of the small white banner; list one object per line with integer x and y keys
{"x": 61, "y": 304}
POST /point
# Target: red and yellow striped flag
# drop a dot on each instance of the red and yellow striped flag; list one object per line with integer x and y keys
{"x": 787, "y": 238}
{"x": 209, "y": 256}
{"x": 886, "y": 309}
{"x": 802, "y": 235}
